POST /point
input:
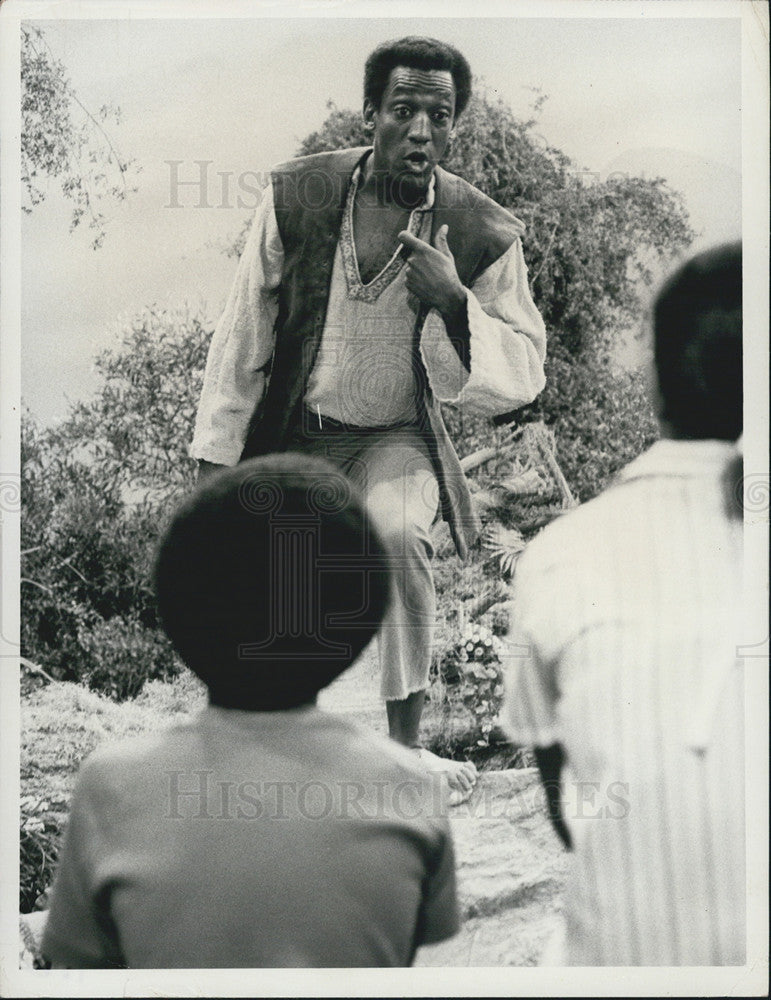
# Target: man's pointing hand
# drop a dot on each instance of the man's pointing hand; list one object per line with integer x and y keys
{"x": 431, "y": 273}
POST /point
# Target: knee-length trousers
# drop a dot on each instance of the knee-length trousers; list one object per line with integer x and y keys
{"x": 392, "y": 469}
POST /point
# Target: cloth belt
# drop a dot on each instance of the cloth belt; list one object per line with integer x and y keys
{"x": 315, "y": 422}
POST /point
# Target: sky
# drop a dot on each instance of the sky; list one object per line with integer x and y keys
{"x": 648, "y": 96}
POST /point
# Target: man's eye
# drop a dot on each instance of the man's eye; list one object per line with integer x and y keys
{"x": 441, "y": 116}
{"x": 402, "y": 112}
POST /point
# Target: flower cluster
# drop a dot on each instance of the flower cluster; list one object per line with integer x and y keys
{"x": 481, "y": 689}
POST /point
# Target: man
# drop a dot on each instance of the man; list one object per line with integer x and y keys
{"x": 627, "y": 616}
{"x": 373, "y": 285}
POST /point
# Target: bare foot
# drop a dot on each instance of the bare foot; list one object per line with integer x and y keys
{"x": 461, "y": 774}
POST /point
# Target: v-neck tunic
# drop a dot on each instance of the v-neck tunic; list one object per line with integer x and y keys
{"x": 507, "y": 345}
{"x": 365, "y": 372}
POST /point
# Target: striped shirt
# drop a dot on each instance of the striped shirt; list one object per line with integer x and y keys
{"x": 625, "y": 630}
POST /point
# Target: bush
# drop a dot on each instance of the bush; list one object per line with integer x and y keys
{"x": 602, "y": 419}
{"x": 478, "y": 655}
{"x": 97, "y": 491}
{"x": 119, "y": 655}
{"x": 88, "y": 612}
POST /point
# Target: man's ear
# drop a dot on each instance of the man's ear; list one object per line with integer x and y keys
{"x": 368, "y": 113}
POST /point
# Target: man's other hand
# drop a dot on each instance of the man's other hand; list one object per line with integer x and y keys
{"x": 207, "y": 469}
{"x": 550, "y": 761}
{"x": 431, "y": 274}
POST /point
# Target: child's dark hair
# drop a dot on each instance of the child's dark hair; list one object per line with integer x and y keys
{"x": 270, "y": 581}
{"x": 416, "y": 52}
{"x": 698, "y": 345}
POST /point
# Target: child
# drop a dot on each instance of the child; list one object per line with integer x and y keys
{"x": 263, "y": 832}
{"x": 629, "y": 612}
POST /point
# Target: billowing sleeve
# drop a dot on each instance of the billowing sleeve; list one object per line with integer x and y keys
{"x": 507, "y": 343}
{"x": 242, "y": 345}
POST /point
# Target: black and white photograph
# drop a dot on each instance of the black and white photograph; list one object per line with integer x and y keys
{"x": 384, "y": 498}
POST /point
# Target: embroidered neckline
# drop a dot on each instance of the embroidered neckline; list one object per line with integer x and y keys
{"x": 372, "y": 290}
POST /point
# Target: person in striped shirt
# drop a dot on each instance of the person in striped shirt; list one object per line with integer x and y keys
{"x": 626, "y": 678}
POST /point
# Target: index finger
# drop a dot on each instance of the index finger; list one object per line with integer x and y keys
{"x": 412, "y": 242}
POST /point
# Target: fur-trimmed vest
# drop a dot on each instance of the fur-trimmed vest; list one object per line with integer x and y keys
{"x": 309, "y": 195}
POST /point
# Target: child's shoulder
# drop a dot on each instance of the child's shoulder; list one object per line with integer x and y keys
{"x": 115, "y": 765}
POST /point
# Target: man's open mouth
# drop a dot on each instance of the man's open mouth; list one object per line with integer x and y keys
{"x": 419, "y": 160}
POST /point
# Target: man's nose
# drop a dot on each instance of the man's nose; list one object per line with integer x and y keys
{"x": 420, "y": 127}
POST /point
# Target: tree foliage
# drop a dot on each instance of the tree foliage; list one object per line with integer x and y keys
{"x": 62, "y": 139}
{"x": 135, "y": 432}
{"x": 97, "y": 490}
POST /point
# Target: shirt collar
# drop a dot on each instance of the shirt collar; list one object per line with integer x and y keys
{"x": 669, "y": 457}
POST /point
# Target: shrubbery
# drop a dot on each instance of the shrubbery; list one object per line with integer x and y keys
{"x": 40, "y": 831}
{"x": 474, "y": 668}
{"x": 601, "y": 418}
{"x": 96, "y": 493}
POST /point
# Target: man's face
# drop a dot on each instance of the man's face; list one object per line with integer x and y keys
{"x": 412, "y": 125}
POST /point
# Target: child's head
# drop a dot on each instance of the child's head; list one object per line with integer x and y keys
{"x": 698, "y": 345}
{"x": 270, "y": 581}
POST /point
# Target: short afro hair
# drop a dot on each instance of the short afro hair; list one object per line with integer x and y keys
{"x": 697, "y": 325}
{"x": 270, "y": 581}
{"x": 416, "y": 52}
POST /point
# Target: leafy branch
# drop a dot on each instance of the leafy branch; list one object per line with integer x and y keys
{"x": 55, "y": 145}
